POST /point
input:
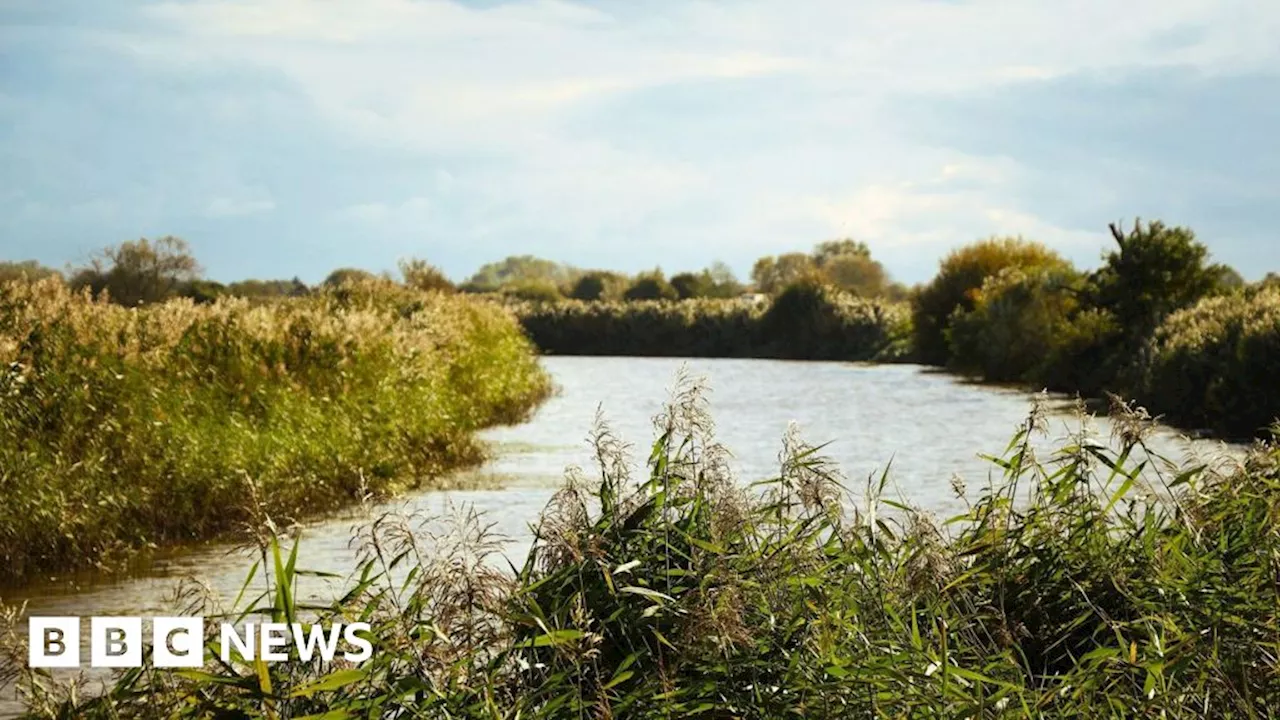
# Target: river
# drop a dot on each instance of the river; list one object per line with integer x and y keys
{"x": 930, "y": 425}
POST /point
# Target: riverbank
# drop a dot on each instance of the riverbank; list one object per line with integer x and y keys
{"x": 805, "y": 322}
{"x": 683, "y": 592}
{"x": 126, "y": 429}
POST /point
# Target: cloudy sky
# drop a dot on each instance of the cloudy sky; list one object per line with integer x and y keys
{"x": 289, "y": 137}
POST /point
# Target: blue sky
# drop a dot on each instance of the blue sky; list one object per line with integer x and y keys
{"x": 290, "y": 137}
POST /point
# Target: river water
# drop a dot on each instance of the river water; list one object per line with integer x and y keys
{"x": 931, "y": 426}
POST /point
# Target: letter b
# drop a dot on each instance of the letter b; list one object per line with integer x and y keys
{"x": 115, "y": 642}
{"x": 53, "y": 642}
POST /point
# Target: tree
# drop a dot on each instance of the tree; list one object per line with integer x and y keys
{"x": 826, "y": 251}
{"x": 342, "y": 276}
{"x": 493, "y": 276}
{"x": 692, "y": 285}
{"x": 961, "y": 275}
{"x": 259, "y": 289}
{"x": 598, "y": 285}
{"x": 650, "y": 286}
{"x": 856, "y": 273}
{"x": 420, "y": 274}
{"x": 771, "y": 274}
{"x": 140, "y": 271}
{"x": 724, "y": 284}
{"x": 1154, "y": 271}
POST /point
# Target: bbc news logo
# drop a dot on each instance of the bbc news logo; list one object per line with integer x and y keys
{"x": 178, "y": 642}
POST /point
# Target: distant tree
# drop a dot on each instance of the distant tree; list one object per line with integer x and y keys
{"x": 650, "y": 286}
{"x": 344, "y": 275}
{"x": 493, "y": 276}
{"x": 533, "y": 290}
{"x": 1271, "y": 280}
{"x": 856, "y": 273}
{"x": 420, "y": 274}
{"x": 961, "y": 275}
{"x": 598, "y": 285}
{"x": 1154, "y": 271}
{"x": 826, "y": 251}
{"x": 140, "y": 271}
{"x": 724, "y": 284}
{"x": 25, "y": 270}
{"x": 1229, "y": 279}
{"x": 692, "y": 285}
{"x": 202, "y": 291}
{"x": 259, "y": 289}
{"x": 771, "y": 274}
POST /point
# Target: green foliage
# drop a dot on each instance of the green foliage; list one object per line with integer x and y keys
{"x": 1016, "y": 316}
{"x": 598, "y": 285}
{"x": 492, "y": 277}
{"x": 1082, "y": 586}
{"x": 29, "y": 270}
{"x": 716, "y": 281}
{"x": 812, "y": 321}
{"x": 771, "y": 275}
{"x": 1154, "y": 271}
{"x": 421, "y": 275}
{"x": 139, "y": 271}
{"x": 960, "y": 277}
{"x": 343, "y": 276}
{"x": 533, "y": 290}
{"x": 264, "y": 289}
{"x": 650, "y": 286}
{"x": 1216, "y": 364}
{"x": 822, "y": 324}
{"x": 123, "y": 429}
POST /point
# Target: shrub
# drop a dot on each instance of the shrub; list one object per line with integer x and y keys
{"x": 1017, "y": 317}
{"x": 1215, "y": 365}
{"x": 533, "y": 291}
{"x": 812, "y": 321}
{"x": 598, "y": 285}
{"x": 421, "y": 275}
{"x": 650, "y": 286}
{"x": 1154, "y": 271}
{"x": 960, "y": 278}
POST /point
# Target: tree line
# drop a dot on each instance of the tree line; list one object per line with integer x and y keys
{"x": 149, "y": 271}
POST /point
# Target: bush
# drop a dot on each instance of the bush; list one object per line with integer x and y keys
{"x": 650, "y": 286}
{"x": 959, "y": 280}
{"x": 533, "y": 291}
{"x": 598, "y": 285}
{"x": 421, "y": 275}
{"x": 812, "y": 321}
{"x": 1017, "y": 317}
{"x": 1154, "y": 271}
{"x": 1216, "y": 365}
{"x": 125, "y": 428}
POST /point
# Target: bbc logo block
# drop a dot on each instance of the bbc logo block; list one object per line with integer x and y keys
{"x": 115, "y": 642}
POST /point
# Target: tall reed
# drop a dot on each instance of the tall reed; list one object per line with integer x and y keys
{"x": 124, "y": 428}
{"x": 1087, "y": 583}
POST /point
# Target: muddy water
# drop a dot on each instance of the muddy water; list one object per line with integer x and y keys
{"x": 930, "y": 425}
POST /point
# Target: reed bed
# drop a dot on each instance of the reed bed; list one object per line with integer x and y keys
{"x": 1080, "y": 584}
{"x": 123, "y": 429}
{"x": 805, "y": 322}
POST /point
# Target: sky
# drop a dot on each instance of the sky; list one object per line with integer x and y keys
{"x": 286, "y": 138}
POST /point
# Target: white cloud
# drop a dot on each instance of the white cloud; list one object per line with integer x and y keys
{"x": 766, "y": 124}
